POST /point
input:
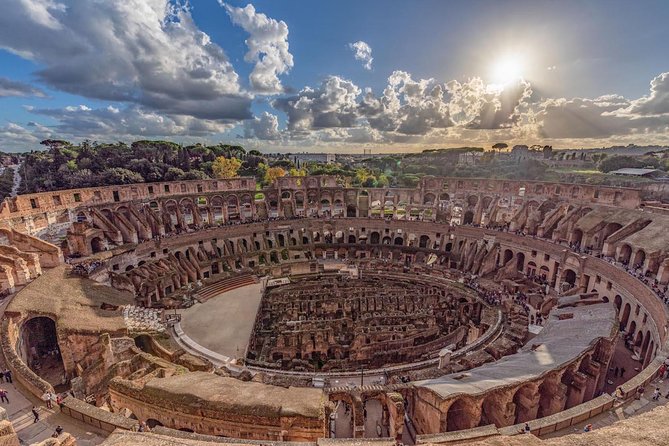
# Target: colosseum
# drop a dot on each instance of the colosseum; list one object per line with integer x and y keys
{"x": 460, "y": 311}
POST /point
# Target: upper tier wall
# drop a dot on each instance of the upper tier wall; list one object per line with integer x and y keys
{"x": 41, "y": 204}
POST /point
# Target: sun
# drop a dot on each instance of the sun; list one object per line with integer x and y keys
{"x": 507, "y": 69}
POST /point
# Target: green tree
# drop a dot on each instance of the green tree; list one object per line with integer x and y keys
{"x": 173, "y": 174}
{"x": 195, "y": 175}
{"x": 619, "y": 162}
{"x": 119, "y": 175}
{"x": 297, "y": 172}
{"x": 383, "y": 180}
{"x": 500, "y": 146}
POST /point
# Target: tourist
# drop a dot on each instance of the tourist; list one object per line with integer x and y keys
{"x": 47, "y": 399}
{"x": 619, "y": 394}
{"x": 622, "y": 372}
{"x": 587, "y": 428}
{"x": 656, "y": 394}
{"x": 35, "y": 414}
{"x": 3, "y": 396}
{"x": 527, "y": 429}
{"x": 2, "y": 376}
{"x": 8, "y": 376}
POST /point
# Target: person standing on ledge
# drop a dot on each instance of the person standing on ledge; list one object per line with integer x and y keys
{"x": 35, "y": 414}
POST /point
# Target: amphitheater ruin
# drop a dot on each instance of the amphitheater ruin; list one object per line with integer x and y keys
{"x": 310, "y": 311}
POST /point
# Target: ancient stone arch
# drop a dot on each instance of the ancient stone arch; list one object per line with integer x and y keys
{"x": 526, "y": 401}
{"x": 618, "y": 302}
{"x": 625, "y": 253}
{"x": 625, "y": 315}
{"x": 520, "y": 261}
{"x": 463, "y": 413}
{"x": 97, "y": 244}
{"x": 639, "y": 258}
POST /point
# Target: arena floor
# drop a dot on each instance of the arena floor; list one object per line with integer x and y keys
{"x": 224, "y": 323}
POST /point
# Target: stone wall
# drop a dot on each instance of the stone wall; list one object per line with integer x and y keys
{"x": 226, "y": 414}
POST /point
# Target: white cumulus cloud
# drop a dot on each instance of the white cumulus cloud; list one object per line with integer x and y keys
{"x": 265, "y": 127}
{"x": 143, "y": 52}
{"x": 362, "y": 52}
{"x": 654, "y": 104}
{"x": 333, "y": 104}
{"x": 267, "y": 47}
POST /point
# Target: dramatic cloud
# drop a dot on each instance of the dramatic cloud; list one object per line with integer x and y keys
{"x": 144, "y": 52}
{"x": 14, "y": 137}
{"x": 268, "y": 47}
{"x": 265, "y": 127}
{"x": 333, "y": 104}
{"x": 407, "y": 106}
{"x": 77, "y": 122}
{"x": 606, "y": 116}
{"x": 656, "y": 103}
{"x": 593, "y": 118}
{"x": 362, "y": 52}
{"x": 497, "y": 108}
{"x": 165, "y": 78}
{"x": 9, "y": 87}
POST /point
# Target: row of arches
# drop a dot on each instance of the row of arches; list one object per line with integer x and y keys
{"x": 527, "y": 402}
{"x": 642, "y": 339}
{"x": 625, "y": 255}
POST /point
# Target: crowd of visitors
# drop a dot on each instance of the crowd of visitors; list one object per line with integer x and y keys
{"x": 85, "y": 268}
{"x": 636, "y": 270}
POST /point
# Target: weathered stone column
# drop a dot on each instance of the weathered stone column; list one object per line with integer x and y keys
{"x": 552, "y": 397}
{"x": 527, "y": 403}
{"x": 499, "y": 409}
{"x": 445, "y": 357}
{"x": 358, "y": 417}
{"x": 576, "y": 390}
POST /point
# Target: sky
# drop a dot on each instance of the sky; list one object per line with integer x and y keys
{"x": 335, "y": 76}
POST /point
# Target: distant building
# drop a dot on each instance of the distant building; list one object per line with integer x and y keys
{"x": 469, "y": 158}
{"x": 638, "y": 172}
{"x": 522, "y": 152}
{"x": 317, "y": 157}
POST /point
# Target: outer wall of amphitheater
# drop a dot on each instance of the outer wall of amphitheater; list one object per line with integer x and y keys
{"x": 203, "y": 231}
